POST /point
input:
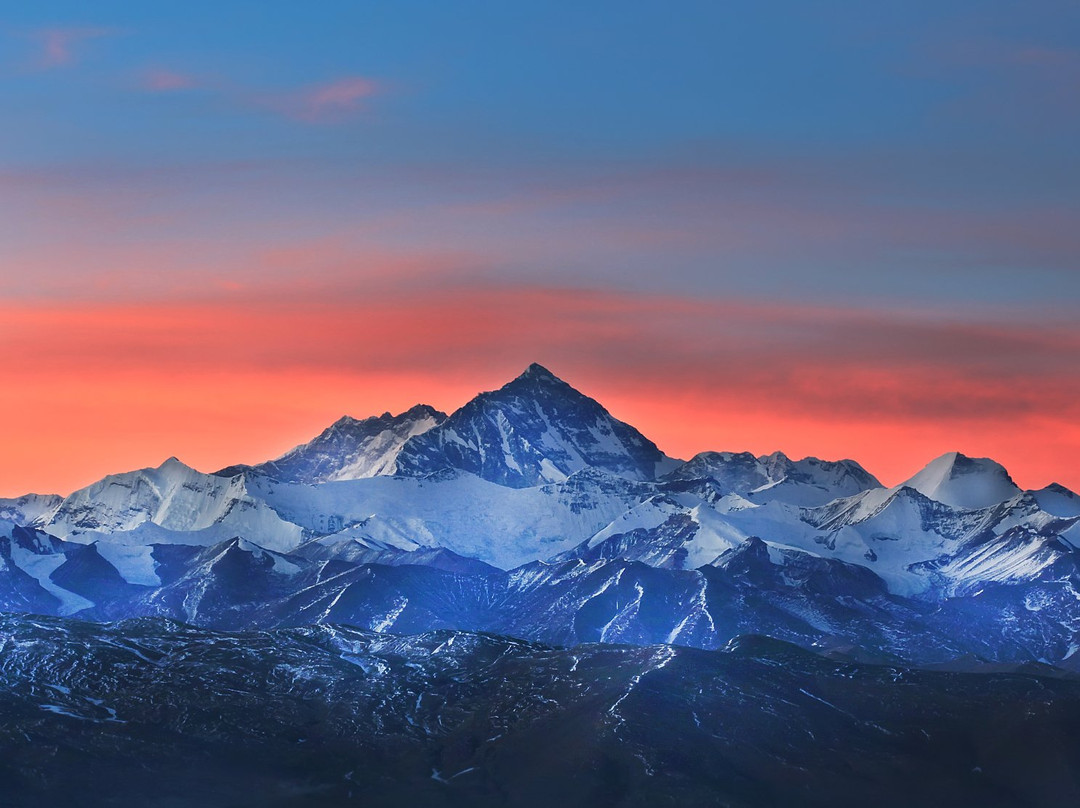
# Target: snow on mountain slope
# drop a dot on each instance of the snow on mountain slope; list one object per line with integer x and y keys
{"x": 1058, "y": 500}
{"x": 892, "y": 532}
{"x": 135, "y": 563}
{"x": 807, "y": 482}
{"x": 810, "y": 481}
{"x": 170, "y": 503}
{"x": 908, "y": 539}
{"x": 29, "y": 508}
{"x": 896, "y": 534}
{"x": 1017, "y": 555}
{"x": 1071, "y": 534}
{"x": 349, "y": 449}
{"x": 536, "y": 429}
{"x": 769, "y": 567}
{"x": 738, "y": 472}
{"x": 40, "y": 567}
{"x": 215, "y": 583}
{"x": 19, "y": 590}
{"x": 964, "y": 482}
{"x": 1023, "y": 510}
{"x": 28, "y": 560}
{"x": 463, "y": 513}
{"x": 901, "y": 535}
{"x": 676, "y": 531}
{"x": 359, "y": 551}
{"x": 918, "y": 545}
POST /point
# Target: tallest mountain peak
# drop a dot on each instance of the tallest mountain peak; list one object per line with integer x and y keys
{"x": 538, "y": 373}
{"x": 536, "y": 429}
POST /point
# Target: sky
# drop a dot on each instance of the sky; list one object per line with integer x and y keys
{"x": 839, "y": 229}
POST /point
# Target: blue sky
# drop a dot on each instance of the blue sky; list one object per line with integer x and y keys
{"x": 759, "y": 142}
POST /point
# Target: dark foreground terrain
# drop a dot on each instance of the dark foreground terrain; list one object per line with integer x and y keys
{"x": 154, "y": 713}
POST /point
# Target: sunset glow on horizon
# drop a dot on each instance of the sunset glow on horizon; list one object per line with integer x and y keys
{"x": 216, "y": 383}
{"x": 220, "y": 231}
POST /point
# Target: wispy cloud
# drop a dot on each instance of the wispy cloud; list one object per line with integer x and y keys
{"x": 324, "y": 103}
{"x": 60, "y": 47}
{"x": 328, "y": 102}
{"x": 168, "y": 81}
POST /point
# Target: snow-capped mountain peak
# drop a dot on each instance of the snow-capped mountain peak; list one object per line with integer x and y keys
{"x": 808, "y": 482}
{"x": 964, "y": 482}
{"x": 349, "y": 449}
{"x": 171, "y": 503}
{"x": 539, "y": 374}
{"x": 533, "y": 430}
{"x": 28, "y": 508}
{"x": 1058, "y": 500}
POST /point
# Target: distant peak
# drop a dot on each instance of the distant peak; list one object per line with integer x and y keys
{"x": 424, "y": 411}
{"x": 905, "y": 491}
{"x": 949, "y": 460}
{"x": 345, "y": 420}
{"x": 752, "y": 544}
{"x": 964, "y": 482}
{"x": 752, "y": 552}
{"x": 414, "y": 413}
{"x": 959, "y": 463}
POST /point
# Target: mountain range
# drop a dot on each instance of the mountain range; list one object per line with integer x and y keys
{"x": 533, "y": 528}
{"x": 531, "y": 511}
